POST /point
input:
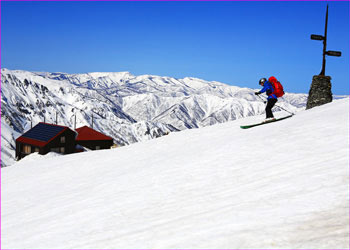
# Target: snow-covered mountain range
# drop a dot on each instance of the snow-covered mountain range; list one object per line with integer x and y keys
{"x": 126, "y": 107}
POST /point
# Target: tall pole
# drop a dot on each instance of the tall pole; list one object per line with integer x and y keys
{"x": 323, "y": 71}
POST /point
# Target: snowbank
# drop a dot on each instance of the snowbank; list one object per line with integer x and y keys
{"x": 281, "y": 185}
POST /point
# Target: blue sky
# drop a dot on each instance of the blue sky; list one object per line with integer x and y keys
{"x": 236, "y": 43}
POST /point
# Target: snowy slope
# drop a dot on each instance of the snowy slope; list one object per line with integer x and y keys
{"x": 8, "y": 136}
{"x": 281, "y": 185}
{"x": 128, "y": 108}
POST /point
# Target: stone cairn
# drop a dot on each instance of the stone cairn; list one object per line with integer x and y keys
{"x": 320, "y": 92}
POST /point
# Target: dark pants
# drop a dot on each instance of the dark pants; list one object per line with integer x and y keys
{"x": 270, "y": 103}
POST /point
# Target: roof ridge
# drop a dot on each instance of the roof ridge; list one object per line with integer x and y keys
{"x": 51, "y": 124}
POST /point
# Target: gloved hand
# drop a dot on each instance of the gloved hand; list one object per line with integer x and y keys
{"x": 257, "y": 93}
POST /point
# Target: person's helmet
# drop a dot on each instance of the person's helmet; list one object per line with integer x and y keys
{"x": 262, "y": 81}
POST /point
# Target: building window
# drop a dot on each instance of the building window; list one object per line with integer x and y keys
{"x": 57, "y": 150}
{"x": 98, "y": 147}
{"x": 63, "y": 139}
{"x": 36, "y": 149}
{"x": 27, "y": 149}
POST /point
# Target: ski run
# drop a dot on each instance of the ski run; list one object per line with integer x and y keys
{"x": 281, "y": 185}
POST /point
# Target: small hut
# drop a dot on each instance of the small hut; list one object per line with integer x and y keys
{"x": 92, "y": 139}
{"x": 44, "y": 138}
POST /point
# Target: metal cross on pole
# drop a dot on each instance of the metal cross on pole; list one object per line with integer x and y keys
{"x": 324, "y": 39}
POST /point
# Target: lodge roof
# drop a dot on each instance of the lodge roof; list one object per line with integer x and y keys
{"x": 41, "y": 134}
{"x": 88, "y": 134}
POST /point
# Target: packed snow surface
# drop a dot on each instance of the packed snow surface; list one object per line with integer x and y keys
{"x": 280, "y": 185}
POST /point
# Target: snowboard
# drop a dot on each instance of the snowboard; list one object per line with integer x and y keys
{"x": 262, "y": 123}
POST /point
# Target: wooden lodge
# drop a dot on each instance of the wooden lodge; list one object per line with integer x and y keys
{"x": 92, "y": 139}
{"x": 44, "y": 138}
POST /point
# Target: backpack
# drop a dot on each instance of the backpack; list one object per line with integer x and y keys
{"x": 277, "y": 86}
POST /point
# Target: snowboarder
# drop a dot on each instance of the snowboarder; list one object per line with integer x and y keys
{"x": 271, "y": 97}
